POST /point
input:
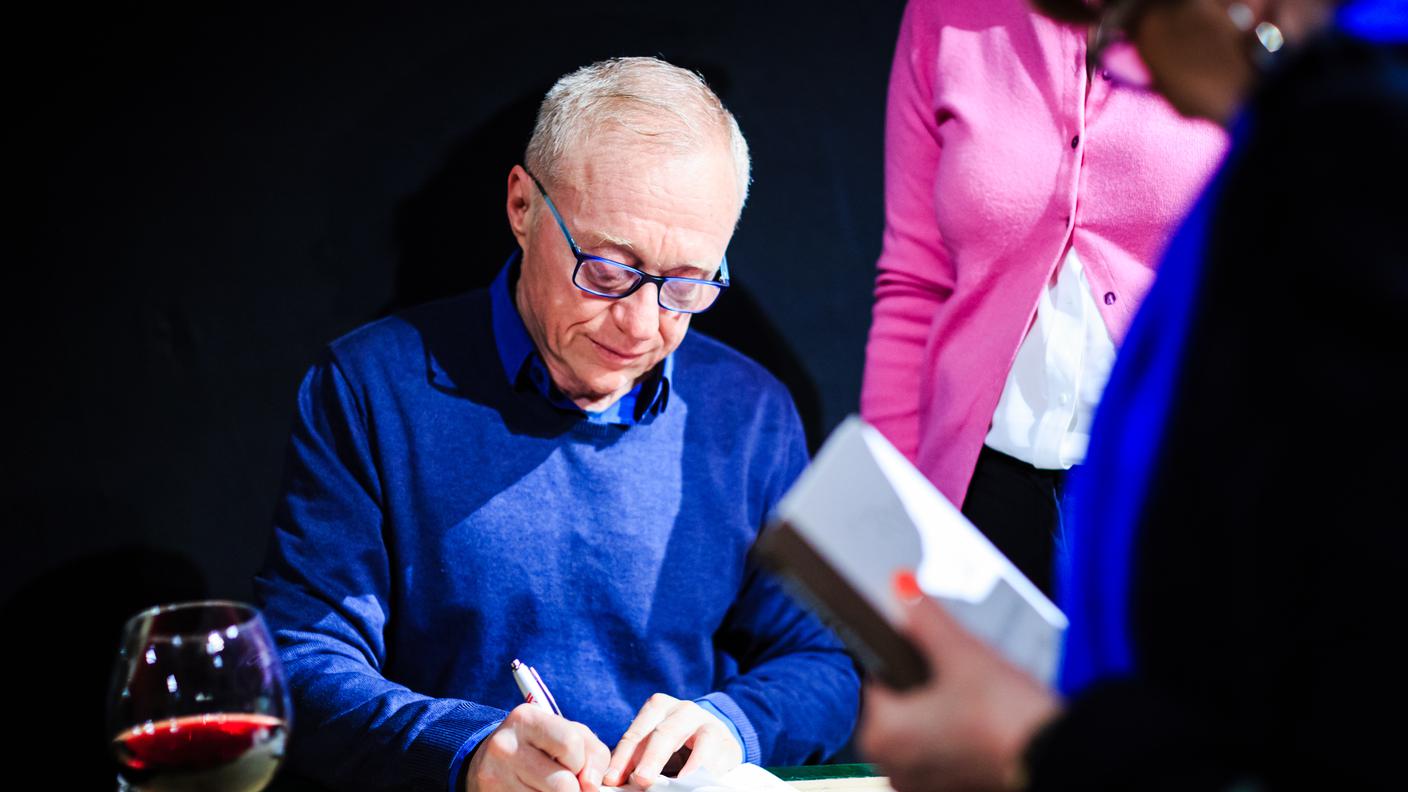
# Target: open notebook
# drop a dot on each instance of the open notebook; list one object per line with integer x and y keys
{"x": 859, "y": 514}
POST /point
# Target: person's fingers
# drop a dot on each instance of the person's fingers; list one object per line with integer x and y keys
{"x": 598, "y": 759}
{"x": 668, "y": 737}
{"x": 878, "y": 722}
{"x": 627, "y": 751}
{"x": 676, "y": 762}
{"x": 922, "y": 778}
{"x": 552, "y": 734}
{"x": 931, "y": 626}
{"x": 713, "y": 750}
{"x": 491, "y": 768}
{"x": 623, "y": 761}
{"x": 540, "y": 772}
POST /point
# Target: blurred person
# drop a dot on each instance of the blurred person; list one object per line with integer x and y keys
{"x": 1027, "y": 200}
{"x": 1237, "y": 548}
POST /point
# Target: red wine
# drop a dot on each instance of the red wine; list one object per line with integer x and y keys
{"x": 222, "y": 752}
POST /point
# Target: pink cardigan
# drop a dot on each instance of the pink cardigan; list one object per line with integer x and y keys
{"x": 996, "y": 158}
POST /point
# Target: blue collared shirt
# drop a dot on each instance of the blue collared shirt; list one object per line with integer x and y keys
{"x": 524, "y": 366}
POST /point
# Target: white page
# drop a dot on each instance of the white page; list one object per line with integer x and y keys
{"x": 743, "y": 778}
{"x": 866, "y": 510}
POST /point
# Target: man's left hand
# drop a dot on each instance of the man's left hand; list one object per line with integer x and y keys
{"x": 669, "y": 733}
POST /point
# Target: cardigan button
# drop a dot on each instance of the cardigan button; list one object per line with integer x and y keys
{"x": 1109, "y": 298}
{"x": 1075, "y": 141}
{"x": 1105, "y": 75}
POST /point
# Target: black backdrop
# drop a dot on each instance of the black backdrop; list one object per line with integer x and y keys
{"x": 203, "y": 196}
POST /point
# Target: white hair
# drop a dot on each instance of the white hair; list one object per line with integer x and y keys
{"x": 648, "y": 96}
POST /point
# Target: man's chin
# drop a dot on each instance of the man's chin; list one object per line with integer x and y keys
{"x": 599, "y": 383}
{"x": 602, "y": 391}
{"x": 612, "y": 388}
{"x": 606, "y": 380}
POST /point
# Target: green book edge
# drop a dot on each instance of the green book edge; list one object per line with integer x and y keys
{"x": 819, "y": 772}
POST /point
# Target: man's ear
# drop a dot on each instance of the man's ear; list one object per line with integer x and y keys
{"x": 520, "y": 204}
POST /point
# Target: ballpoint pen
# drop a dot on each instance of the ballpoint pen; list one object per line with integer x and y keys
{"x": 534, "y": 690}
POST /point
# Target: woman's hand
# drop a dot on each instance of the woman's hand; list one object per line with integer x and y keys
{"x": 966, "y": 728}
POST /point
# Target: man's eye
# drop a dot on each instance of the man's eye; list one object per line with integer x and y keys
{"x": 606, "y": 277}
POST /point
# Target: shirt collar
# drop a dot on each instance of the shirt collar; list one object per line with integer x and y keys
{"x": 524, "y": 367}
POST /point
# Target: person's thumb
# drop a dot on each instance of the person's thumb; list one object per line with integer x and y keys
{"x": 929, "y": 624}
{"x": 598, "y": 759}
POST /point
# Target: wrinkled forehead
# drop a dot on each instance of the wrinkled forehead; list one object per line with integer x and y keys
{"x": 641, "y": 138}
{"x": 622, "y": 166}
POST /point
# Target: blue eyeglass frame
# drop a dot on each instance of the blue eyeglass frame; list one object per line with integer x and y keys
{"x": 720, "y": 280}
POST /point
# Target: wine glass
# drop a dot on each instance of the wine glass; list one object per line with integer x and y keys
{"x": 198, "y": 700}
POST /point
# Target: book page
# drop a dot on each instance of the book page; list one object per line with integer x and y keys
{"x": 743, "y": 778}
{"x": 869, "y": 513}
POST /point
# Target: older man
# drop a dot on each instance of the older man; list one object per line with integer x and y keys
{"x": 550, "y": 470}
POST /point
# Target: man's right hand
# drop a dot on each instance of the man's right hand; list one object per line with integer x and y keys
{"x": 534, "y": 750}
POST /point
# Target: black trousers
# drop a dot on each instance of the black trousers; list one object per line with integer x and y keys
{"x": 1018, "y": 507}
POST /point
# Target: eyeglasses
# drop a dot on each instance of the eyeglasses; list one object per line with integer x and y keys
{"x": 1112, "y": 52}
{"x": 603, "y": 277}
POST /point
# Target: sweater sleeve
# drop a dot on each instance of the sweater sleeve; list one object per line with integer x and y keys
{"x": 796, "y": 694}
{"x": 325, "y": 591}
{"x": 916, "y": 274}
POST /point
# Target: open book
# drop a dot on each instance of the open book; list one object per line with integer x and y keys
{"x": 859, "y": 514}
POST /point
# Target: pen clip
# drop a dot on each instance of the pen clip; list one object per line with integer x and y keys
{"x": 547, "y": 694}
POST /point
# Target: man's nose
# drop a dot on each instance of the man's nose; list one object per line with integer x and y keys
{"x": 638, "y": 315}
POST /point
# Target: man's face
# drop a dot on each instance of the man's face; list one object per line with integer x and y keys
{"x": 664, "y": 211}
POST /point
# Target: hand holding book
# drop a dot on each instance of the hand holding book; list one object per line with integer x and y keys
{"x": 862, "y": 513}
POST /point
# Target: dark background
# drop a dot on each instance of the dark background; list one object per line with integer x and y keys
{"x": 202, "y": 196}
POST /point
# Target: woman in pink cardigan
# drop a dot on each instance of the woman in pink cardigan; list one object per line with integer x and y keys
{"x": 1026, "y": 203}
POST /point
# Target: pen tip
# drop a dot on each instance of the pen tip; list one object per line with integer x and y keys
{"x": 515, "y": 664}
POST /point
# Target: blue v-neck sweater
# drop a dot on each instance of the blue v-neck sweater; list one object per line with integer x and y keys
{"x": 437, "y": 522}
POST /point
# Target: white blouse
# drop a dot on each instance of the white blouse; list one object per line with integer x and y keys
{"x": 1043, "y": 416}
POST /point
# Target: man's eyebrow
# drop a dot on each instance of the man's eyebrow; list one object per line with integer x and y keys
{"x": 595, "y": 238}
{"x": 698, "y": 271}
